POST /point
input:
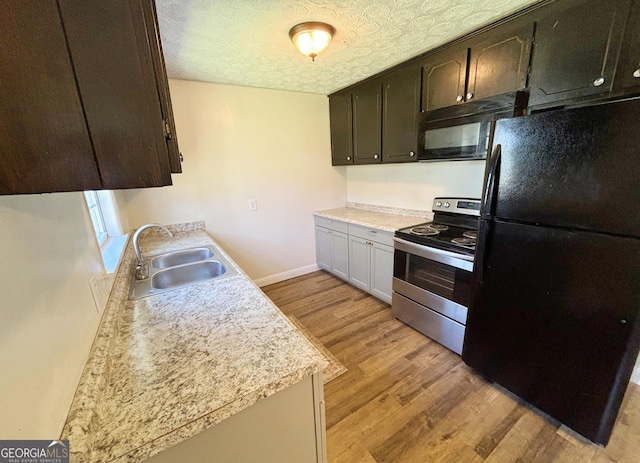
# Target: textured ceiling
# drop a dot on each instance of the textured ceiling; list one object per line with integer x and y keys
{"x": 246, "y": 42}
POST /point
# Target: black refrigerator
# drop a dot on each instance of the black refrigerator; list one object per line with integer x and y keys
{"x": 554, "y": 317}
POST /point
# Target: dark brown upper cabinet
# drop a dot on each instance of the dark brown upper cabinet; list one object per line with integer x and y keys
{"x": 80, "y": 103}
{"x": 444, "y": 79}
{"x": 576, "y": 49}
{"x": 491, "y": 64}
{"x": 367, "y": 117}
{"x": 499, "y": 62}
{"x": 341, "y": 129}
{"x": 376, "y": 121}
{"x": 628, "y": 73}
{"x": 400, "y": 110}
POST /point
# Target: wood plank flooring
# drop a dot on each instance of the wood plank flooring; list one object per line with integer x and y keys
{"x": 407, "y": 399}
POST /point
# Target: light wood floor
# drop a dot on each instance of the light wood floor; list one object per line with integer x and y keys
{"x": 407, "y": 399}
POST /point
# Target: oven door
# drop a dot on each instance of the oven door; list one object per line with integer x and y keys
{"x": 431, "y": 291}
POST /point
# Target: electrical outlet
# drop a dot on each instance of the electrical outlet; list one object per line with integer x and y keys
{"x": 253, "y": 205}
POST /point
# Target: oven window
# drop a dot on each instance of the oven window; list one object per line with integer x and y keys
{"x": 432, "y": 276}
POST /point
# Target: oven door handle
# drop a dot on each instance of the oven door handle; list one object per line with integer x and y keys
{"x": 491, "y": 190}
{"x": 453, "y": 259}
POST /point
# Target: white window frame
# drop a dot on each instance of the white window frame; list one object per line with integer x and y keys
{"x": 97, "y": 217}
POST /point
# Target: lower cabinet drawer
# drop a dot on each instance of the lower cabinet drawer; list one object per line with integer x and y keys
{"x": 372, "y": 234}
{"x": 447, "y": 332}
{"x": 331, "y": 224}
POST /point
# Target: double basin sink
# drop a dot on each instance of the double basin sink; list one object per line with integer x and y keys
{"x": 176, "y": 269}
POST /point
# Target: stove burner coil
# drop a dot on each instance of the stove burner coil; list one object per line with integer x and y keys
{"x": 424, "y": 231}
{"x": 464, "y": 241}
{"x": 473, "y": 234}
{"x": 438, "y": 226}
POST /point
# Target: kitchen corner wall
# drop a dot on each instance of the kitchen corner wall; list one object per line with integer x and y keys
{"x": 243, "y": 143}
{"x": 47, "y": 314}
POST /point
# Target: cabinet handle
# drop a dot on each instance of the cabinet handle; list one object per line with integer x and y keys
{"x": 181, "y": 157}
{"x": 598, "y": 82}
{"x": 469, "y": 95}
{"x": 636, "y": 73}
{"x": 459, "y": 98}
{"x": 411, "y": 153}
{"x": 375, "y": 156}
{"x": 348, "y": 158}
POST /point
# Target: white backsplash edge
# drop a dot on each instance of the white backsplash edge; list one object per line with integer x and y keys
{"x": 391, "y": 210}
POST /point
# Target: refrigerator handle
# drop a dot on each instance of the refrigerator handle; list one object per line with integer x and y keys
{"x": 492, "y": 183}
{"x": 483, "y": 237}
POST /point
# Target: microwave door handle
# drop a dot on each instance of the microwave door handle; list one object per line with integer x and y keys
{"x": 491, "y": 190}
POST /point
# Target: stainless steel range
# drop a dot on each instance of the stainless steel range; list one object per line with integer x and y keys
{"x": 432, "y": 271}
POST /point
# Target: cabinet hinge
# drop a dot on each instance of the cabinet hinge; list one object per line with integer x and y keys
{"x": 167, "y": 129}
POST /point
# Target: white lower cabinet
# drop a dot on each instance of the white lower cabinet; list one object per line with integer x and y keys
{"x": 286, "y": 427}
{"x": 361, "y": 255}
{"x": 382, "y": 271}
{"x": 371, "y": 267}
{"x": 332, "y": 247}
{"x": 360, "y": 263}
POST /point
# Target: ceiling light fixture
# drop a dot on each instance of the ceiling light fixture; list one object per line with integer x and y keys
{"x": 311, "y": 38}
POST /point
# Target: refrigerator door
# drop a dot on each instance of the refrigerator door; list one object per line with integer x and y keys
{"x": 575, "y": 168}
{"x": 555, "y": 319}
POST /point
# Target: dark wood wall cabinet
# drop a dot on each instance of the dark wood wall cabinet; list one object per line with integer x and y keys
{"x": 556, "y": 53}
{"x": 84, "y": 101}
{"x": 576, "y": 49}
{"x": 376, "y": 121}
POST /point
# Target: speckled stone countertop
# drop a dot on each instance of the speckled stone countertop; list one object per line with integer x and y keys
{"x": 379, "y": 217}
{"x": 166, "y": 367}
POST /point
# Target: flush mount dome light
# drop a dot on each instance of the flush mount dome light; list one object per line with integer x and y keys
{"x": 311, "y": 38}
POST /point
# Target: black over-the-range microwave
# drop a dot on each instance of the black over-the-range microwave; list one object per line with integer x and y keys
{"x": 464, "y": 138}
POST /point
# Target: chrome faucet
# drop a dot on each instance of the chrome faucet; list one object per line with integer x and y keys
{"x": 142, "y": 270}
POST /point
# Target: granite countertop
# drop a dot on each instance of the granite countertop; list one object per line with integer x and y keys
{"x": 378, "y": 217}
{"x": 165, "y": 367}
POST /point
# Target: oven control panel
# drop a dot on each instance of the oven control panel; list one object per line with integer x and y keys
{"x": 467, "y": 206}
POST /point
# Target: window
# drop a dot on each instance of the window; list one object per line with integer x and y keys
{"x": 106, "y": 226}
{"x": 97, "y": 218}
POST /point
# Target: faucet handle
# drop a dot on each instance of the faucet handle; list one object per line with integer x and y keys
{"x": 142, "y": 271}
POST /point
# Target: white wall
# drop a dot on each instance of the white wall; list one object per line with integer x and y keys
{"x": 414, "y": 185}
{"x": 241, "y": 143}
{"x": 47, "y": 315}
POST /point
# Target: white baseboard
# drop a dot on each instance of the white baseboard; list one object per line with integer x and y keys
{"x": 278, "y": 277}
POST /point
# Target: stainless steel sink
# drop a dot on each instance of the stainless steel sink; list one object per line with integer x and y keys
{"x": 187, "y": 256}
{"x": 177, "y": 269}
{"x": 185, "y": 274}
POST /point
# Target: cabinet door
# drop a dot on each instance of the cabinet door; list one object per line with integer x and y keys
{"x": 444, "y": 78}
{"x": 340, "y": 254}
{"x": 499, "y": 62}
{"x": 628, "y": 73}
{"x": 382, "y": 271}
{"x": 341, "y": 129}
{"x": 367, "y": 117}
{"x": 44, "y": 142}
{"x": 114, "y": 70}
{"x": 400, "y": 110}
{"x": 155, "y": 47}
{"x": 323, "y": 248}
{"x": 360, "y": 263}
{"x": 576, "y": 49}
